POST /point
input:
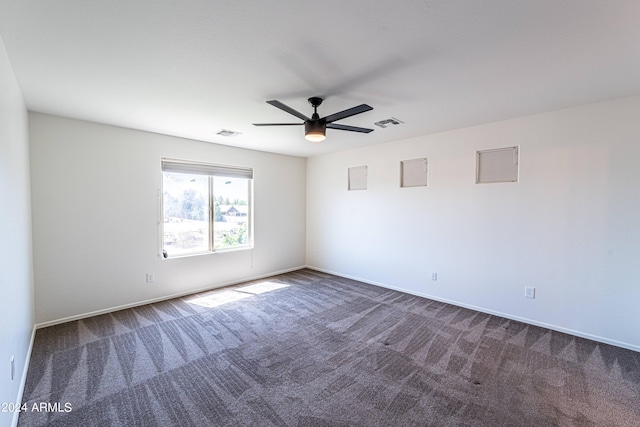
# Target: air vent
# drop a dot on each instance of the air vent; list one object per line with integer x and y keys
{"x": 388, "y": 122}
{"x": 498, "y": 165}
{"x": 228, "y": 133}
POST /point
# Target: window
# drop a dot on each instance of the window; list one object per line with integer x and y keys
{"x": 413, "y": 173}
{"x": 357, "y": 178}
{"x": 205, "y": 207}
{"x": 498, "y": 165}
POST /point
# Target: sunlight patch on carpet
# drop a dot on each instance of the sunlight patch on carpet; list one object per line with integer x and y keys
{"x": 218, "y": 298}
{"x": 262, "y": 287}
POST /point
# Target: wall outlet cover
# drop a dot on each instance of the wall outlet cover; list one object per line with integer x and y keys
{"x": 529, "y": 292}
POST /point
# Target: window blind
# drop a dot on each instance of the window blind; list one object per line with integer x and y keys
{"x": 357, "y": 178}
{"x": 198, "y": 168}
{"x": 499, "y": 165}
{"x": 413, "y": 173}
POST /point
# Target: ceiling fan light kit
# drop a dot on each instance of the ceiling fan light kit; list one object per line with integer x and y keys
{"x": 314, "y": 133}
{"x": 315, "y": 128}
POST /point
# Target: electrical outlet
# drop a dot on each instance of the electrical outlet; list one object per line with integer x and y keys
{"x": 529, "y": 292}
{"x": 434, "y": 276}
{"x": 13, "y": 368}
{"x": 151, "y": 278}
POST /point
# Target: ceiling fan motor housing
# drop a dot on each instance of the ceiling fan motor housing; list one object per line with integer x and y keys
{"x": 316, "y": 128}
{"x": 315, "y": 125}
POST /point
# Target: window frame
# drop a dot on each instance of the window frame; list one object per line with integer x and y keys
{"x": 357, "y": 177}
{"x": 210, "y": 170}
{"x": 498, "y": 165}
{"x": 407, "y": 178}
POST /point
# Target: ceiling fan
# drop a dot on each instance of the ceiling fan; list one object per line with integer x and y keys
{"x": 315, "y": 127}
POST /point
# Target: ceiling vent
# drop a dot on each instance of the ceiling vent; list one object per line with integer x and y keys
{"x": 228, "y": 133}
{"x": 388, "y": 122}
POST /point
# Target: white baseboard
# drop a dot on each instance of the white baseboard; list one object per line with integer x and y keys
{"x": 557, "y": 328}
{"x": 23, "y": 380}
{"x": 162, "y": 298}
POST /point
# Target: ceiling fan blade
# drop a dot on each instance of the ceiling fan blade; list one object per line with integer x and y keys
{"x": 288, "y": 109}
{"x": 348, "y": 113}
{"x": 349, "y": 128}
{"x": 277, "y": 124}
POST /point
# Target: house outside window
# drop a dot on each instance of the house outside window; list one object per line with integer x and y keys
{"x": 205, "y": 208}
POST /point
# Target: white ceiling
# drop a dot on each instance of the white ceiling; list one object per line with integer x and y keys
{"x": 190, "y": 68}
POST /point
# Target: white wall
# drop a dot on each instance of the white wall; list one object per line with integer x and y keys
{"x": 16, "y": 270}
{"x": 570, "y": 227}
{"x": 96, "y": 209}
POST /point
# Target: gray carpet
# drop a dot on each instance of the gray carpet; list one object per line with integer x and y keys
{"x": 311, "y": 349}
